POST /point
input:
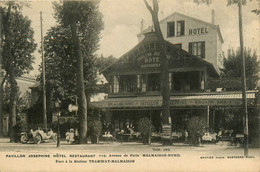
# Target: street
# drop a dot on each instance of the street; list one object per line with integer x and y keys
{"x": 115, "y": 155}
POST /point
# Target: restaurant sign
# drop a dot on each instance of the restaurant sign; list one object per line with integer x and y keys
{"x": 166, "y": 131}
{"x": 156, "y": 102}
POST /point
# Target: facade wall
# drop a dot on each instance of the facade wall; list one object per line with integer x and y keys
{"x": 194, "y": 31}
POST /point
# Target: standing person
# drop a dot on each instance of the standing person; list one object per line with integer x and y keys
{"x": 186, "y": 134}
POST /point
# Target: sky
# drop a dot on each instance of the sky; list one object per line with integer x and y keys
{"x": 122, "y": 20}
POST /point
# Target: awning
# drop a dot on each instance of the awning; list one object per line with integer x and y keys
{"x": 223, "y": 99}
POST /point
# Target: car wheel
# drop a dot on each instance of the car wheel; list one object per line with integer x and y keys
{"x": 23, "y": 139}
{"x": 37, "y": 139}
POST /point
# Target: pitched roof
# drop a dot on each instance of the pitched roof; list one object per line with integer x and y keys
{"x": 151, "y": 36}
{"x": 188, "y": 17}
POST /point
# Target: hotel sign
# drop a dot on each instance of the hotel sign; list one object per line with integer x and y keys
{"x": 149, "y": 59}
{"x": 173, "y": 103}
{"x": 198, "y": 31}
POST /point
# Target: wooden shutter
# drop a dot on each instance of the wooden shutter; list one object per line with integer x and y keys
{"x": 182, "y": 27}
{"x": 190, "y": 47}
{"x": 203, "y": 49}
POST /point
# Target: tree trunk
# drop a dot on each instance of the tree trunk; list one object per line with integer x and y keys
{"x": 165, "y": 91}
{"x": 243, "y": 78}
{"x": 1, "y": 79}
{"x": 10, "y": 70}
{"x": 149, "y": 141}
{"x": 82, "y": 103}
{"x": 12, "y": 104}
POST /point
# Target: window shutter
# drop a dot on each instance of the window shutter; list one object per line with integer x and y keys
{"x": 182, "y": 27}
{"x": 168, "y": 29}
{"x": 203, "y": 49}
{"x": 190, "y": 47}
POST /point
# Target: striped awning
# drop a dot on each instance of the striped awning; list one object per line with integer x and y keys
{"x": 217, "y": 99}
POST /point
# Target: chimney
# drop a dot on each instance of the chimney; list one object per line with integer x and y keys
{"x": 142, "y": 25}
{"x": 213, "y": 17}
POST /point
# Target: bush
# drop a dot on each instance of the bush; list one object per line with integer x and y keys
{"x": 95, "y": 127}
{"x": 145, "y": 127}
{"x": 20, "y": 126}
{"x": 196, "y": 129}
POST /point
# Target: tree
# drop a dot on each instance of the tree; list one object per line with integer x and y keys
{"x": 196, "y": 129}
{"x": 102, "y": 62}
{"x": 164, "y": 63}
{"x": 61, "y": 66}
{"x": 84, "y": 23}
{"x": 145, "y": 127}
{"x": 232, "y": 66}
{"x": 239, "y": 3}
{"x": 18, "y": 46}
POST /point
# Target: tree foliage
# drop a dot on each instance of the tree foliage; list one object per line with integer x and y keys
{"x": 70, "y": 49}
{"x": 196, "y": 128}
{"x": 61, "y": 64}
{"x": 230, "y": 2}
{"x": 18, "y": 46}
{"x": 19, "y": 40}
{"x": 103, "y": 62}
{"x": 232, "y": 65}
{"x": 145, "y": 127}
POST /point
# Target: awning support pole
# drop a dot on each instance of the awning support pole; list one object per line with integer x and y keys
{"x": 207, "y": 118}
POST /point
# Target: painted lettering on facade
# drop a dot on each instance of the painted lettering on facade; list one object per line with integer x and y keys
{"x": 149, "y": 60}
{"x": 175, "y": 103}
{"x": 198, "y": 31}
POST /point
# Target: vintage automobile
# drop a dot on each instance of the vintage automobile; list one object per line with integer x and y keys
{"x": 37, "y": 136}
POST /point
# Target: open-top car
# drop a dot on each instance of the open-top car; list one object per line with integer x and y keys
{"x": 38, "y": 136}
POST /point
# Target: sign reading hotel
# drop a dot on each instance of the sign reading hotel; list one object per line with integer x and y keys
{"x": 198, "y": 31}
{"x": 149, "y": 60}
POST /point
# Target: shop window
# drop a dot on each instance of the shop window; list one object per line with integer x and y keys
{"x": 170, "y": 29}
{"x": 197, "y": 49}
{"x": 153, "y": 81}
{"x": 180, "y": 28}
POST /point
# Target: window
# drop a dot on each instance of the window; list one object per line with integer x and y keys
{"x": 180, "y": 28}
{"x": 170, "y": 29}
{"x": 197, "y": 49}
{"x": 116, "y": 84}
{"x": 153, "y": 81}
{"x": 127, "y": 83}
{"x": 143, "y": 83}
{"x": 170, "y": 81}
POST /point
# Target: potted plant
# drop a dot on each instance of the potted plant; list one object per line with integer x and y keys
{"x": 196, "y": 129}
{"x": 145, "y": 127}
{"x": 95, "y": 130}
